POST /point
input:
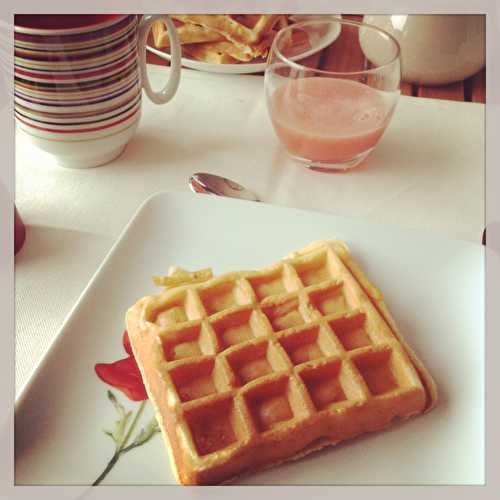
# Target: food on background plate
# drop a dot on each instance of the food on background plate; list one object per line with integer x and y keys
{"x": 249, "y": 369}
{"x": 223, "y": 38}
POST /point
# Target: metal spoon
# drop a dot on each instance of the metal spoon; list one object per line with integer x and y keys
{"x": 220, "y": 186}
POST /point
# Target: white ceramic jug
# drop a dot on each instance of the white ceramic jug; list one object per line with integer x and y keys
{"x": 436, "y": 49}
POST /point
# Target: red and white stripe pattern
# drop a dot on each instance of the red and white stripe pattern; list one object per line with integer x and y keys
{"x": 79, "y": 82}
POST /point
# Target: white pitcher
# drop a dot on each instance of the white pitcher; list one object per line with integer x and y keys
{"x": 436, "y": 49}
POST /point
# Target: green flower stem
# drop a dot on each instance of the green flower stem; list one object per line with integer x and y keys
{"x": 110, "y": 465}
{"x": 132, "y": 427}
{"x": 131, "y": 447}
{"x": 121, "y": 448}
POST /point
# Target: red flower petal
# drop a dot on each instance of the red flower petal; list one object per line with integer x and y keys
{"x": 124, "y": 375}
{"x": 126, "y": 343}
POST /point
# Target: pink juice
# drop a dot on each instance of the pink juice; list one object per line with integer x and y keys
{"x": 328, "y": 119}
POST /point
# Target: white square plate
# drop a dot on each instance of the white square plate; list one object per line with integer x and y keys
{"x": 434, "y": 287}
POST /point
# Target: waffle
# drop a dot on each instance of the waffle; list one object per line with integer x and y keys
{"x": 214, "y": 53}
{"x": 241, "y": 29}
{"x": 217, "y": 52}
{"x": 188, "y": 33}
{"x": 250, "y": 369}
{"x": 223, "y": 38}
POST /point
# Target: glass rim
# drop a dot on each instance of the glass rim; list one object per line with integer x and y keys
{"x": 332, "y": 20}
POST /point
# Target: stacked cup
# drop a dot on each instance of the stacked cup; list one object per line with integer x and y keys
{"x": 78, "y": 82}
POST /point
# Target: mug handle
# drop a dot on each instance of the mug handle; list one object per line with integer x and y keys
{"x": 167, "y": 92}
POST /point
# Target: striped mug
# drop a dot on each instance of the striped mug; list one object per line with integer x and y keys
{"x": 78, "y": 82}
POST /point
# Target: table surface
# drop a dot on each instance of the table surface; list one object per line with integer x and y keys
{"x": 473, "y": 89}
{"x": 426, "y": 173}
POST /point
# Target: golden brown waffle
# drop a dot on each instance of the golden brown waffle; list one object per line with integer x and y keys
{"x": 243, "y": 29}
{"x": 187, "y": 33}
{"x": 223, "y": 38}
{"x": 216, "y": 52}
{"x": 250, "y": 369}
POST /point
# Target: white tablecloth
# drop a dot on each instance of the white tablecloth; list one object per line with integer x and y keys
{"x": 427, "y": 173}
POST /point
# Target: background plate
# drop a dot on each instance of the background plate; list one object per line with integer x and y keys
{"x": 434, "y": 288}
{"x": 259, "y": 65}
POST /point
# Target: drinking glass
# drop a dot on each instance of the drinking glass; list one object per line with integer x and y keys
{"x": 331, "y": 88}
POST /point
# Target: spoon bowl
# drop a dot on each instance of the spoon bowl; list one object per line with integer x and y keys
{"x": 205, "y": 183}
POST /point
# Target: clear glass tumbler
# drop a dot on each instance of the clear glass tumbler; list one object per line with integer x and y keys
{"x": 331, "y": 87}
